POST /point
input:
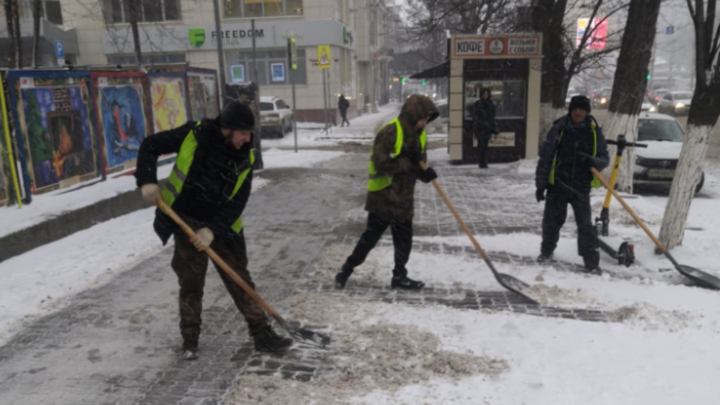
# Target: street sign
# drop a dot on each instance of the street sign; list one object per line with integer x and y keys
{"x": 670, "y": 30}
{"x": 293, "y": 54}
{"x": 59, "y": 50}
{"x": 324, "y": 56}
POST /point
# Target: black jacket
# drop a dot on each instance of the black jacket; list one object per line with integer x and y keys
{"x": 484, "y": 118}
{"x": 210, "y": 181}
{"x": 343, "y": 104}
{"x": 572, "y": 170}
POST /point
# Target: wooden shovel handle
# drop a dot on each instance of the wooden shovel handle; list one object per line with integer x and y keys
{"x": 456, "y": 215}
{"x": 628, "y": 209}
{"x": 220, "y": 262}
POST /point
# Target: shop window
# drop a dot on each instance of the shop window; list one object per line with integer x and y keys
{"x": 508, "y": 96}
{"x": 262, "y": 8}
{"x": 118, "y": 11}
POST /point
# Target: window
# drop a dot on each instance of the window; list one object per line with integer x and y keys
{"x": 266, "y": 107}
{"x": 262, "y": 8}
{"x": 281, "y": 105}
{"x": 271, "y": 67}
{"x": 668, "y": 97}
{"x": 53, "y": 12}
{"x": 508, "y": 96}
{"x": 156, "y": 59}
{"x": 118, "y": 11}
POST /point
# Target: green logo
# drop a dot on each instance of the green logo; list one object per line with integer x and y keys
{"x": 197, "y": 37}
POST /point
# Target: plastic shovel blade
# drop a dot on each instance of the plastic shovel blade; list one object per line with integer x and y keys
{"x": 700, "y": 277}
{"x": 515, "y": 285}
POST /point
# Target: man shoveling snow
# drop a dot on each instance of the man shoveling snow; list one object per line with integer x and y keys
{"x": 398, "y": 149}
{"x": 209, "y": 188}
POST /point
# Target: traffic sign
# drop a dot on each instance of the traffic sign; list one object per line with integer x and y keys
{"x": 59, "y": 50}
{"x": 324, "y": 56}
{"x": 293, "y": 53}
{"x": 670, "y": 30}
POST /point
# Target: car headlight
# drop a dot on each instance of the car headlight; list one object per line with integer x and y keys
{"x": 639, "y": 169}
{"x": 679, "y": 105}
{"x": 603, "y": 100}
{"x": 639, "y": 161}
{"x": 652, "y": 109}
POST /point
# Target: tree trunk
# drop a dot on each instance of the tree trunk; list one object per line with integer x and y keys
{"x": 36, "y": 31}
{"x": 549, "y": 17}
{"x": 18, "y": 36}
{"x": 134, "y": 18}
{"x": 630, "y": 83}
{"x": 14, "y": 39}
{"x": 704, "y": 113}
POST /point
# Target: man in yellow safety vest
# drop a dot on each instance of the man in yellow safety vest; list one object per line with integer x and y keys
{"x": 393, "y": 171}
{"x": 208, "y": 187}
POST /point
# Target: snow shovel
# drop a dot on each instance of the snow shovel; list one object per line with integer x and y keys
{"x": 509, "y": 282}
{"x": 316, "y": 338}
{"x": 701, "y": 278}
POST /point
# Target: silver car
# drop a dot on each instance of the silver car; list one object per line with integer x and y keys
{"x": 675, "y": 103}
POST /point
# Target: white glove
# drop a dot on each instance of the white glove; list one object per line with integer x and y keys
{"x": 203, "y": 239}
{"x": 150, "y": 193}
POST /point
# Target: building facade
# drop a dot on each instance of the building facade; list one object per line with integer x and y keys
{"x": 177, "y": 31}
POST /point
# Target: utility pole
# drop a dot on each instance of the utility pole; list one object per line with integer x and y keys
{"x": 221, "y": 55}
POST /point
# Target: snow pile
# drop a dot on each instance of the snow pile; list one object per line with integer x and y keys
{"x": 379, "y": 356}
{"x": 651, "y": 318}
{"x": 554, "y": 296}
{"x": 525, "y": 166}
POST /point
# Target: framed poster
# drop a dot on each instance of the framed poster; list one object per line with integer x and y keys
{"x": 237, "y": 73}
{"x": 277, "y": 72}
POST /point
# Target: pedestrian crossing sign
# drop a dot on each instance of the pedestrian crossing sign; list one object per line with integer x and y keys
{"x": 323, "y": 56}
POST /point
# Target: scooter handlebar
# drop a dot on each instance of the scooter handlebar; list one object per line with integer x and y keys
{"x": 630, "y": 144}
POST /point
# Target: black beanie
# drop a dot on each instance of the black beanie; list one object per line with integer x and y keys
{"x": 580, "y": 102}
{"x": 237, "y": 115}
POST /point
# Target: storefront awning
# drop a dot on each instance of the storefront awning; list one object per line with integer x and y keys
{"x": 435, "y": 72}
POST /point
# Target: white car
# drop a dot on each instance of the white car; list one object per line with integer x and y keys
{"x": 655, "y": 165}
{"x": 647, "y": 106}
{"x": 675, "y": 102}
{"x": 275, "y": 115}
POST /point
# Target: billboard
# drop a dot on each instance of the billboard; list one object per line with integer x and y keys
{"x": 168, "y": 100}
{"x": 56, "y": 135}
{"x": 202, "y": 93}
{"x": 598, "y": 37}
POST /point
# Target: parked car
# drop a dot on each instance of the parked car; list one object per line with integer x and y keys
{"x": 675, "y": 103}
{"x": 655, "y": 165}
{"x": 276, "y": 117}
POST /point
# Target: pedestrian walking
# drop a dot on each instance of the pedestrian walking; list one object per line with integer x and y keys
{"x": 343, "y": 106}
{"x": 574, "y": 144}
{"x": 208, "y": 187}
{"x": 394, "y": 169}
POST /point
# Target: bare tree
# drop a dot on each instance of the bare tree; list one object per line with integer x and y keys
{"x": 630, "y": 82}
{"x": 704, "y": 113}
{"x": 37, "y": 7}
{"x": 134, "y": 17}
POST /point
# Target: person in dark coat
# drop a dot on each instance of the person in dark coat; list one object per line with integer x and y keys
{"x": 391, "y": 185}
{"x": 343, "y": 106}
{"x": 574, "y": 144}
{"x": 208, "y": 187}
{"x": 484, "y": 126}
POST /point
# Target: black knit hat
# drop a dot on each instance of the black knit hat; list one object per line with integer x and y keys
{"x": 580, "y": 102}
{"x": 237, "y": 115}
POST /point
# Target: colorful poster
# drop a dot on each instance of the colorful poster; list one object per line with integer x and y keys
{"x": 122, "y": 119}
{"x": 597, "y": 39}
{"x": 4, "y": 166}
{"x": 169, "y": 108}
{"x": 202, "y": 91}
{"x": 277, "y": 72}
{"x": 58, "y": 137}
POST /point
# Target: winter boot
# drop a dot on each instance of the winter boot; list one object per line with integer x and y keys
{"x": 544, "y": 258}
{"x": 268, "y": 341}
{"x": 190, "y": 352}
{"x": 342, "y": 278}
{"x": 405, "y": 283}
{"x": 597, "y": 271}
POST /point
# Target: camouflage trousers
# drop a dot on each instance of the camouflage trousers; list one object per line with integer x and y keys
{"x": 191, "y": 267}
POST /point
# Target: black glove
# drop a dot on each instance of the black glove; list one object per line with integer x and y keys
{"x": 540, "y": 194}
{"x": 587, "y": 160}
{"x": 428, "y": 175}
{"x": 414, "y": 155}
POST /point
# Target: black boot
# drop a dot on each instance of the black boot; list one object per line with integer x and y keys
{"x": 405, "y": 283}
{"x": 342, "y": 278}
{"x": 544, "y": 258}
{"x": 268, "y": 341}
{"x": 597, "y": 271}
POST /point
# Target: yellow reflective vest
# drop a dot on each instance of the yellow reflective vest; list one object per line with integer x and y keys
{"x": 595, "y": 182}
{"x": 377, "y": 182}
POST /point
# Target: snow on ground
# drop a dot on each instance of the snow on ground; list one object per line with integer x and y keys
{"x": 49, "y": 205}
{"x": 43, "y": 280}
{"x": 276, "y": 158}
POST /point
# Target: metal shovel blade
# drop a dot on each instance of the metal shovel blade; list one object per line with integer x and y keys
{"x": 515, "y": 285}
{"x": 311, "y": 337}
{"x": 700, "y": 277}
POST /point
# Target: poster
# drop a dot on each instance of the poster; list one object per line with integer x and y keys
{"x": 54, "y": 112}
{"x": 598, "y": 37}
{"x": 122, "y": 119}
{"x": 277, "y": 72}
{"x": 169, "y": 105}
{"x": 4, "y": 166}
{"x": 237, "y": 73}
{"x": 202, "y": 92}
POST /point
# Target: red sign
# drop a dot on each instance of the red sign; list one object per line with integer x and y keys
{"x": 507, "y": 46}
{"x": 598, "y": 39}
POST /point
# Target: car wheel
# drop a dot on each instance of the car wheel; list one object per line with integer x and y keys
{"x": 700, "y": 184}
